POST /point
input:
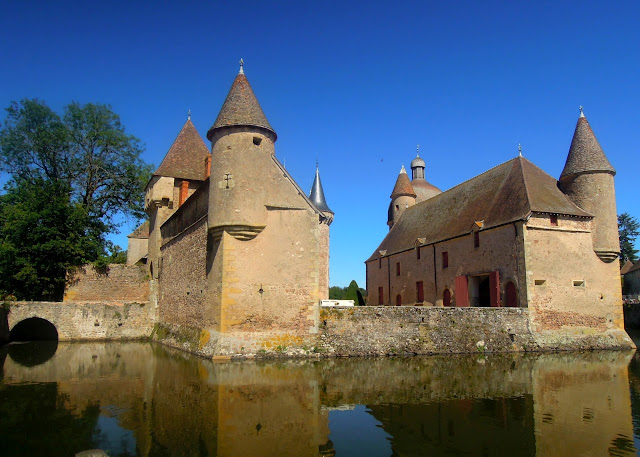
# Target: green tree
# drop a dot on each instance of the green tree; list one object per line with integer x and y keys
{"x": 70, "y": 177}
{"x": 628, "y": 230}
{"x": 42, "y": 235}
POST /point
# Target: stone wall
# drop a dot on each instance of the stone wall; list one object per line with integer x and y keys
{"x": 119, "y": 283}
{"x": 89, "y": 321}
{"x": 421, "y": 330}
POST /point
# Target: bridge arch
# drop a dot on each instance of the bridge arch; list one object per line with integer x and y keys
{"x": 33, "y": 329}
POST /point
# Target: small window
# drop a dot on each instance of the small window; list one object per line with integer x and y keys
{"x": 445, "y": 259}
{"x": 380, "y": 262}
{"x": 420, "y": 291}
{"x": 380, "y": 296}
{"x": 257, "y": 140}
{"x": 397, "y": 268}
{"x": 578, "y": 283}
{"x": 397, "y": 207}
{"x": 418, "y": 252}
{"x": 476, "y": 239}
{"x": 554, "y": 220}
{"x": 539, "y": 282}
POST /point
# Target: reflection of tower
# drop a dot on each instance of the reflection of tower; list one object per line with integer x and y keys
{"x": 402, "y": 197}
{"x": 587, "y": 179}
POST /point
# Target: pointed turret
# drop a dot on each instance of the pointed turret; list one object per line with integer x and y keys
{"x": 402, "y": 197}
{"x": 241, "y": 108}
{"x": 585, "y": 154}
{"x": 186, "y": 156}
{"x": 424, "y": 190}
{"x": 317, "y": 194}
{"x": 587, "y": 179}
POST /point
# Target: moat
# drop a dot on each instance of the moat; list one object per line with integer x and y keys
{"x": 142, "y": 399}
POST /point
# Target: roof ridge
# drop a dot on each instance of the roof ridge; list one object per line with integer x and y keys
{"x": 295, "y": 184}
{"x": 524, "y": 181}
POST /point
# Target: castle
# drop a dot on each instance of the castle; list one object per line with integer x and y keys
{"x": 510, "y": 237}
{"x": 236, "y": 250}
{"x": 510, "y": 260}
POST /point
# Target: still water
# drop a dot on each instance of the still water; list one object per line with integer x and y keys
{"x": 140, "y": 399}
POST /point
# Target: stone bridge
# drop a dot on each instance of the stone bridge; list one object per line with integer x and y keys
{"x": 68, "y": 321}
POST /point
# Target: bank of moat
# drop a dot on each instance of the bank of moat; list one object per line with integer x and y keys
{"x": 234, "y": 257}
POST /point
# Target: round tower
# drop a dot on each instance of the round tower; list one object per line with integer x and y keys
{"x": 587, "y": 179}
{"x": 402, "y": 197}
{"x": 424, "y": 190}
{"x": 242, "y": 143}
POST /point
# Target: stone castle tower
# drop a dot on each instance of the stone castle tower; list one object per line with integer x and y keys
{"x": 587, "y": 179}
{"x": 267, "y": 242}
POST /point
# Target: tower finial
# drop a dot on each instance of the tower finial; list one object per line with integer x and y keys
{"x": 581, "y": 111}
{"x": 418, "y": 151}
{"x": 241, "y": 72}
{"x": 519, "y": 150}
{"x": 189, "y": 114}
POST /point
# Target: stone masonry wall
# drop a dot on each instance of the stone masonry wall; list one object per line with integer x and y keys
{"x": 89, "y": 321}
{"x": 119, "y": 283}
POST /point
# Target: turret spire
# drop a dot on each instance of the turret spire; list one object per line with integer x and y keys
{"x": 241, "y": 108}
{"x": 317, "y": 194}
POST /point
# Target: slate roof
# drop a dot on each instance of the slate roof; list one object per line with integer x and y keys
{"x": 186, "y": 156}
{"x": 424, "y": 189}
{"x": 140, "y": 232}
{"x": 403, "y": 185}
{"x": 585, "y": 153}
{"x": 504, "y": 194}
{"x": 241, "y": 107}
{"x": 635, "y": 267}
{"x": 627, "y": 266}
{"x": 317, "y": 194}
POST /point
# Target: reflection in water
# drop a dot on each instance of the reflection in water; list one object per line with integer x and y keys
{"x": 32, "y": 353}
{"x": 146, "y": 400}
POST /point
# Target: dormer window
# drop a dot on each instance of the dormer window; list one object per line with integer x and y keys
{"x": 553, "y": 218}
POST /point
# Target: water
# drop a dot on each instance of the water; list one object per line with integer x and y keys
{"x": 139, "y": 399}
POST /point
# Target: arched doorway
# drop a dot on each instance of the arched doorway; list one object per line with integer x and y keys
{"x": 33, "y": 329}
{"x": 446, "y": 298}
{"x": 398, "y": 300}
{"x": 511, "y": 295}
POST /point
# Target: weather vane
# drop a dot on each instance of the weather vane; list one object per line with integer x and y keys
{"x": 189, "y": 114}
{"x": 581, "y": 111}
{"x": 241, "y": 66}
{"x": 519, "y": 149}
{"x": 418, "y": 151}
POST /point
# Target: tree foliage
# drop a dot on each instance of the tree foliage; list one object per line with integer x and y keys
{"x": 628, "y": 230}
{"x": 351, "y": 292}
{"x": 70, "y": 177}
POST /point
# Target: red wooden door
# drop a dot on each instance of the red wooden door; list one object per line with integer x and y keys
{"x": 462, "y": 291}
{"x": 494, "y": 288}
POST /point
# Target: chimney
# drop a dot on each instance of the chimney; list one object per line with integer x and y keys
{"x": 184, "y": 192}
{"x": 207, "y": 166}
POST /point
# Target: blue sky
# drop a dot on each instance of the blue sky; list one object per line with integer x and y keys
{"x": 356, "y": 85}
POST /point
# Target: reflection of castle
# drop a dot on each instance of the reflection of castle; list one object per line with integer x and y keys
{"x": 544, "y": 404}
{"x": 512, "y": 236}
{"x": 250, "y": 248}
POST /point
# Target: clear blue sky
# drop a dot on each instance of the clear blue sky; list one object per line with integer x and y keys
{"x": 353, "y": 84}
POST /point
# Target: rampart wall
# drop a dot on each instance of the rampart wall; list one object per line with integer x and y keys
{"x": 117, "y": 283}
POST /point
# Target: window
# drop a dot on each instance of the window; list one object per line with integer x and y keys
{"x": 446, "y": 298}
{"x": 539, "y": 282}
{"x": 257, "y": 140}
{"x": 380, "y": 262}
{"x": 398, "y": 300}
{"x": 476, "y": 239}
{"x": 445, "y": 259}
{"x": 554, "y": 220}
{"x": 397, "y": 268}
{"x": 418, "y": 252}
{"x": 578, "y": 283}
{"x": 380, "y": 296}
{"x": 420, "y": 291}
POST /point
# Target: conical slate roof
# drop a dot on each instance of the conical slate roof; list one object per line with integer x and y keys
{"x": 186, "y": 156}
{"x": 585, "y": 153}
{"x": 403, "y": 185}
{"x": 317, "y": 194}
{"x": 241, "y": 108}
